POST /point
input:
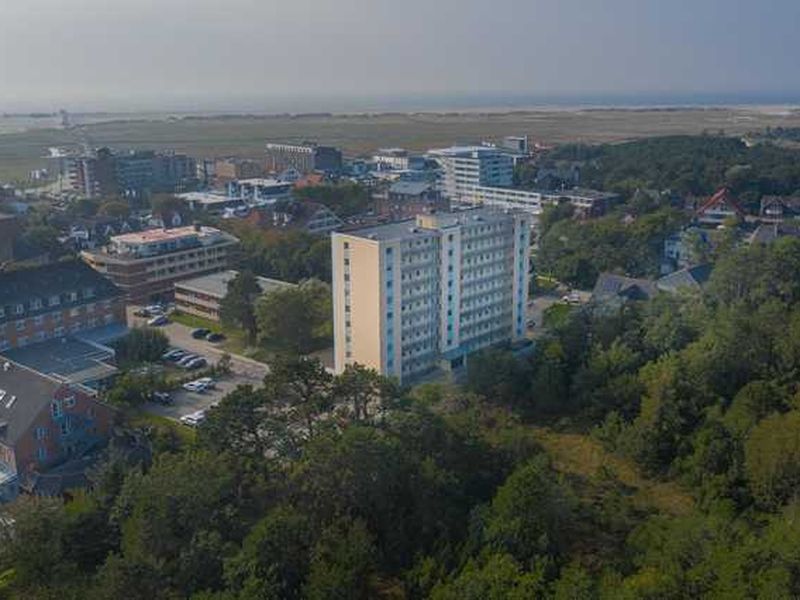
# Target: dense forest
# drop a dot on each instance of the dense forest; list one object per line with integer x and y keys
{"x": 317, "y": 486}
{"x": 687, "y": 165}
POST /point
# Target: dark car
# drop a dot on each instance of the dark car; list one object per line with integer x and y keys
{"x": 215, "y": 337}
{"x": 164, "y": 398}
{"x": 199, "y": 334}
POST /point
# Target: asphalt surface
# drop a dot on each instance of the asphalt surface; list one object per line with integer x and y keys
{"x": 244, "y": 371}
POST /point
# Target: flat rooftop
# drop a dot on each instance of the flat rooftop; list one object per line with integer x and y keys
{"x": 206, "y": 197}
{"x": 410, "y": 228}
{"x": 67, "y": 359}
{"x": 161, "y": 235}
{"x": 216, "y": 284}
{"x": 263, "y": 182}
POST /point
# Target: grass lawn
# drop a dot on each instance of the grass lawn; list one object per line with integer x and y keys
{"x": 235, "y": 339}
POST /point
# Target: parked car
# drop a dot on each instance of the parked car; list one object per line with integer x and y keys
{"x": 214, "y": 337}
{"x": 173, "y": 354}
{"x": 187, "y": 359}
{"x": 154, "y": 309}
{"x": 200, "y": 334}
{"x": 194, "y": 419}
{"x": 158, "y": 321}
{"x": 571, "y": 298}
{"x": 197, "y": 363}
{"x": 194, "y": 386}
{"x": 142, "y": 312}
{"x": 208, "y": 382}
{"x": 164, "y": 398}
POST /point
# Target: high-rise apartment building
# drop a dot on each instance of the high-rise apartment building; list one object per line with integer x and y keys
{"x": 425, "y": 293}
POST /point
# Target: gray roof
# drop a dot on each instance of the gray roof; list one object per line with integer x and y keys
{"x": 766, "y": 233}
{"x": 25, "y": 285}
{"x": 410, "y": 188}
{"x": 691, "y": 278}
{"x": 610, "y": 286}
{"x": 216, "y": 284}
{"x": 409, "y": 228}
{"x": 25, "y": 393}
{"x": 67, "y": 359}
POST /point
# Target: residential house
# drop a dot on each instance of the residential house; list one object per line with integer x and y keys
{"x": 43, "y": 423}
{"x": 775, "y": 209}
{"x": 719, "y": 208}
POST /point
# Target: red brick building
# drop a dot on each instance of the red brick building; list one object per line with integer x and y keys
{"x": 54, "y": 301}
{"x": 44, "y": 422}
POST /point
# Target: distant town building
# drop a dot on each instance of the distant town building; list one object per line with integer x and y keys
{"x": 201, "y": 296}
{"x": 231, "y": 169}
{"x": 395, "y": 159}
{"x": 212, "y": 203}
{"x": 54, "y": 301}
{"x": 311, "y": 217}
{"x": 43, "y": 422}
{"x": 515, "y": 143}
{"x": 8, "y": 233}
{"x": 415, "y": 295}
{"x": 132, "y": 174}
{"x": 147, "y": 264}
{"x": 778, "y": 208}
{"x": 406, "y": 199}
{"x": 260, "y": 191}
{"x": 304, "y": 158}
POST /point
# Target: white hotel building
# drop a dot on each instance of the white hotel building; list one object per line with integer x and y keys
{"x": 483, "y": 175}
{"x": 425, "y": 293}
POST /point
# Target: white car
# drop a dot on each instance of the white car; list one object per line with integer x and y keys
{"x": 194, "y": 419}
{"x": 194, "y": 386}
{"x": 208, "y": 382}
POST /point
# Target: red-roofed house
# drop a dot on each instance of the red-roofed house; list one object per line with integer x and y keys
{"x": 720, "y": 207}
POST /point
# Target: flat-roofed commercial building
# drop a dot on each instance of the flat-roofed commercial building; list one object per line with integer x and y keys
{"x": 425, "y": 293}
{"x": 202, "y": 296}
{"x": 147, "y": 264}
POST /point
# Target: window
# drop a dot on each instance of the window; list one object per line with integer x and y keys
{"x": 55, "y": 300}
{"x": 69, "y": 402}
{"x": 73, "y": 296}
{"x": 65, "y": 428}
{"x": 41, "y": 433}
{"x": 38, "y": 320}
{"x": 55, "y": 409}
{"x": 20, "y": 325}
{"x": 41, "y": 453}
{"x": 19, "y": 309}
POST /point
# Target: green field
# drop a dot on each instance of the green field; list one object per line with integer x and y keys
{"x": 362, "y": 133}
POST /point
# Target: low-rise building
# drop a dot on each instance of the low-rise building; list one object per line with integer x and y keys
{"x": 147, "y": 264}
{"x": 54, "y": 301}
{"x": 202, "y": 296}
{"x": 44, "y": 422}
{"x": 260, "y": 191}
{"x": 211, "y": 203}
{"x": 405, "y": 199}
{"x": 231, "y": 169}
{"x": 717, "y": 209}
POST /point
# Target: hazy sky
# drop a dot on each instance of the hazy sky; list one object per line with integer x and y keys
{"x": 138, "y": 54}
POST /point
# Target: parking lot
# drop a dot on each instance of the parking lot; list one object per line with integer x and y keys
{"x": 244, "y": 371}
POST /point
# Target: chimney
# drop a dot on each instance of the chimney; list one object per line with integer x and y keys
{"x": 6, "y": 366}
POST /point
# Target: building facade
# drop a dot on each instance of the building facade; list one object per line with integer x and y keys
{"x": 304, "y": 158}
{"x": 415, "y": 295}
{"x": 132, "y": 174}
{"x": 202, "y": 296}
{"x": 465, "y": 168}
{"x": 43, "y": 422}
{"x": 54, "y": 301}
{"x": 259, "y": 191}
{"x": 146, "y": 265}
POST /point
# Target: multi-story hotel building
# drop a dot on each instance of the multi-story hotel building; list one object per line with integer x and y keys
{"x": 305, "y": 158}
{"x": 147, "y": 264}
{"x": 425, "y": 293}
{"x": 55, "y": 301}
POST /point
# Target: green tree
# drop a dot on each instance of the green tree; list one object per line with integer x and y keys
{"x": 237, "y": 308}
{"x": 342, "y": 563}
{"x": 296, "y": 319}
{"x": 142, "y": 344}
